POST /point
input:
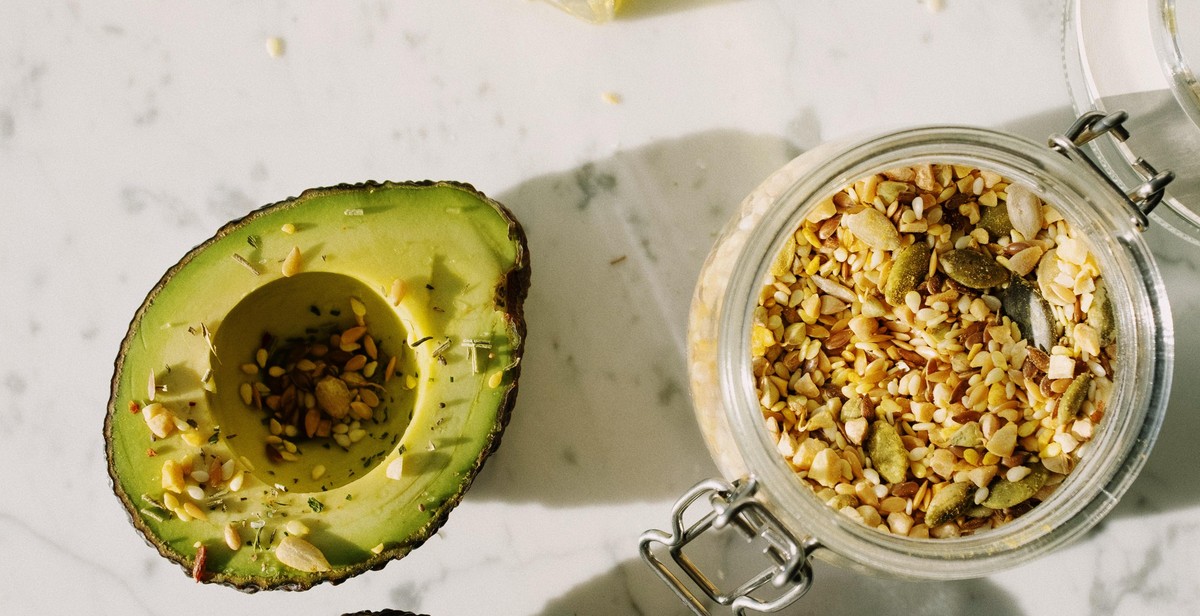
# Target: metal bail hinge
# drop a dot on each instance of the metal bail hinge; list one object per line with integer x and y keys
{"x": 789, "y": 572}
{"x": 1143, "y": 197}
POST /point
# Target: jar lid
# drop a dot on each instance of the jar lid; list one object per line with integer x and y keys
{"x": 1136, "y": 57}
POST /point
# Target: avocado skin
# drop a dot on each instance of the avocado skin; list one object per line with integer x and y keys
{"x": 510, "y": 297}
{"x": 385, "y": 612}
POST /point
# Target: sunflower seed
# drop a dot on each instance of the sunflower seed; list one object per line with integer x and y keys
{"x": 301, "y": 555}
{"x": 872, "y": 227}
{"x": 233, "y": 538}
{"x": 1024, "y": 211}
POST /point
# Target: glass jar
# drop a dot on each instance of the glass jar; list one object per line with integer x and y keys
{"x": 761, "y": 494}
{"x": 1136, "y": 56}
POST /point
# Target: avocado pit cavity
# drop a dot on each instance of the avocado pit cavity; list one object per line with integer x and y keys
{"x": 305, "y": 373}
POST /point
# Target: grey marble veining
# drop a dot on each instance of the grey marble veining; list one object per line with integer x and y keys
{"x": 130, "y": 132}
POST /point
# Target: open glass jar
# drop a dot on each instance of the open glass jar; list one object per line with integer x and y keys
{"x": 1137, "y": 56}
{"x": 760, "y": 492}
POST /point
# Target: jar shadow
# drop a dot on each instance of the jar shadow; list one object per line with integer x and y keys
{"x": 616, "y": 245}
{"x": 631, "y": 587}
{"x": 1040, "y": 126}
{"x": 1168, "y": 479}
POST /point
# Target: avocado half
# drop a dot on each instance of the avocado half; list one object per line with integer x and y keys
{"x": 393, "y": 314}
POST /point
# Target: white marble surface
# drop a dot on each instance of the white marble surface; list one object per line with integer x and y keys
{"x": 130, "y": 131}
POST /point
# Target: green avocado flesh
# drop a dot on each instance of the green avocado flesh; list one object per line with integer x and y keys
{"x": 435, "y": 273}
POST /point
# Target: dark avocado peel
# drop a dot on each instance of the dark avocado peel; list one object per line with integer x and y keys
{"x": 434, "y": 273}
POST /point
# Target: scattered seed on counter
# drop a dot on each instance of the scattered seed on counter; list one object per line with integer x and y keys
{"x": 933, "y": 350}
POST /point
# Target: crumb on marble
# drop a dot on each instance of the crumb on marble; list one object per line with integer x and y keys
{"x": 612, "y": 98}
{"x": 275, "y": 46}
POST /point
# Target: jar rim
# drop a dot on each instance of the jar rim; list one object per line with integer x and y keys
{"x": 1124, "y": 438}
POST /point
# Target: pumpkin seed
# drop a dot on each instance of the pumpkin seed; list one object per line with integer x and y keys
{"x": 1004, "y": 493}
{"x": 949, "y": 503}
{"x": 1024, "y": 211}
{"x": 907, "y": 273}
{"x": 1031, "y": 312}
{"x": 872, "y": 227}
{"x": 973, "y": 269}
{"x": 1072, "y": 399}
{"x": 995, "y": 220}
{"x": 1100, "y": 315}
{"x": 887, "y": 452}
{"x": 978, "y": 511}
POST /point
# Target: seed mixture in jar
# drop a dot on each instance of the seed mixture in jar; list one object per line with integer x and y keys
{"x": 933, "y": 349}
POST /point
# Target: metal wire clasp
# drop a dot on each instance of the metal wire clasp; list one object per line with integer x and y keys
{"x": 731, "y": 504}
{"x": 1143, "y": 197}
